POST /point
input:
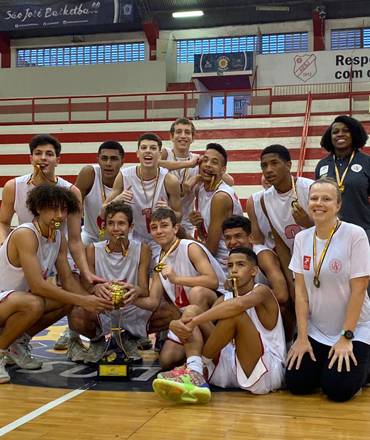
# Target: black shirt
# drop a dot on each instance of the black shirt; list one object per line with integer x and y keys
{"x": 355, "y": 198}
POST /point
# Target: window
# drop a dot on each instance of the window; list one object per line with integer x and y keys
{"x": 186, "y": 49}
{"x": 280, "y": 43}
{"x": 285, "y": 43}
{"x": 80, "y": 55}
{"x": 342, "y": 39}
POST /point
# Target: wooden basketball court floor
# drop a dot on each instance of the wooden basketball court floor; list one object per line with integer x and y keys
{"x": 51, "y": 414}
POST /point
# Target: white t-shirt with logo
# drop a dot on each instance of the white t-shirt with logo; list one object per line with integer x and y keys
{"x": 348, "y": 257}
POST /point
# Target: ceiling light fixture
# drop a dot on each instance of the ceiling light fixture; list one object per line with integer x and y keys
{"x": 272, "y": 8}
{"x": 187, "y": 14}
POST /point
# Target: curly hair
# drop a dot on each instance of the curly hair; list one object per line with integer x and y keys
{"x": 47, "y": 196}
{"x": 114, "y": 208}
{"x": 237, "y": 221}
{"x": 45, "y": 139}
{"x": 359, "y": 135}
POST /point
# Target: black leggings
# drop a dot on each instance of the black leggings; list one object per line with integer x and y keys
{"x": 339, "y": 387}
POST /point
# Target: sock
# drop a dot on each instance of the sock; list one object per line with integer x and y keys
{"x": 195, "y": 363}
{"x": 73, "y": 335}
{"x": 206, "y": 361}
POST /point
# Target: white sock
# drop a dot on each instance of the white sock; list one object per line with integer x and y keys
{"x": 195, "y": 363}
{"x": 206, "y": 361}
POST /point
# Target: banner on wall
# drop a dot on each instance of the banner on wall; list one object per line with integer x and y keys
{"x": 40, "y": 14}
{"x": 223, "y": 62}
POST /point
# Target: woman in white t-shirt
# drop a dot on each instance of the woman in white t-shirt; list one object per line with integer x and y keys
{"x": 331, "y": 262}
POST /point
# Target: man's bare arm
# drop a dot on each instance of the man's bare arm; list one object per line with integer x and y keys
{"x": 7, "y": 209}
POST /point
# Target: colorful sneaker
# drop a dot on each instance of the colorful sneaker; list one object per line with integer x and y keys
{"x": 4, "y": 376}
{"x": 176, "y": 372}
{"x": 76, "y": 350}
{"x": 20, "y": 353}
{"x": 63, "y": 341}
{"x": 144, "y": 343}
{"x": 189, "y": 387}
{"x": 95, "y": 351}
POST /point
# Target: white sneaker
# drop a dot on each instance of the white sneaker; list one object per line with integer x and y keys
{"x": 63, "y": 341}
{"x": 76, "y": 350}
{"x": 95, "y": 351}
{"x": 4, "y": 376}
{"x": 20, "y": 353}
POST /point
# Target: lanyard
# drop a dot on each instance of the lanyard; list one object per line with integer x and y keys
{"x": 52, "y": 227}
{"x": 341, "y": 180}
{"x": 38, "y": 170}
{"x": 103, "y": 196}
{"x": 143, "y": 185}
{"x": 184, "y": 177}
{"x": 316, "y": 267}
{"x": 295, "y": 201}
{"x": 211, "y": 184}
{"x": 158, "y": 267}
{"x": 125, "y": 251}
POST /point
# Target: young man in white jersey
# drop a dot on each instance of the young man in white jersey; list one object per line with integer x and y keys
{"x": 246, "y": 348}
{"x": 284, "y": 204}
{"x": 147, "y": 187}
{"x": 45, "y": 157}
{"x": 95, "y": 183}
{"x": 237, "y": 231}
{"x": 184, "y": 165}
{"x": 28, "y": 302}
{"x": 215, "y": 201}
{"x": 119, "y": 259}
{"x": 186, "y": 272}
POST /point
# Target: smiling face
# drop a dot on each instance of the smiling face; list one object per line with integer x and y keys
{"x": 45, "y": 156}
{"x": 117, "y": 225}
{"x": 212, "y": 165}
{"x": 236, "y": 238}
{"x": 148, "y": 153}
{"x": 274, "y": 168}
{"x": 182, "y": 138}
{"x": 341, "y": 137}
{"x": 110, "y": 163}
{"x": 323, "y": 205}
{"x": 163, "y": 232}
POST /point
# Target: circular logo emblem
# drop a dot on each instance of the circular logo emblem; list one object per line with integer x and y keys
{"x": 335, "y": 265}
{"x": 356, "y": 167}
{"x": 223, "y": 63}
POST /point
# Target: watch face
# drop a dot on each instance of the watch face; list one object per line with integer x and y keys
{"x": 348, "y": 334}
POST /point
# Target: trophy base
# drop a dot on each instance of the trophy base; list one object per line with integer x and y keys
{"x": 119, "y": 369}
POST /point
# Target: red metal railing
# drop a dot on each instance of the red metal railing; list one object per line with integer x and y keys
{"x": 130, "y": 107}
{"x": 302, "y": 152}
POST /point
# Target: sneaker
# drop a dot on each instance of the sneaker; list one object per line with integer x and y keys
{"x": 176, "y": 372}
{"x": 95, "y": 351}
{"x": 4, "y": 376}
{"x": 129, "y": 347}
{"x": 20, "y": 353}
{"x": 160, "y": 339}
{"x": 189, "y": 387}
{"x": 76, "y": 350}
{"x": 63, "y": 341}
{"x": 144, "y": 343}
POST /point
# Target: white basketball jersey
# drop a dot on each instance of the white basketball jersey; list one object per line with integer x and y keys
{"x": 187, "y": 202}
{"x": 13, "y": 278}
{"x": 261, "y": 278}
{"x": 279, "y": 209}
{"x": 262, "y": 220}
{"x": 204, "y": 203}
{"x": 180, "y": 261}
{"x": 142, "y": 205}
{"x": 273, "y": 340}
{"x": 92, "y": 204}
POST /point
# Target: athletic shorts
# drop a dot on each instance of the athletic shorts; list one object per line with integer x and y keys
{"x": 267, "y": 376}
{"x": 134, "y": 319}
{"x": 5, "y": 294}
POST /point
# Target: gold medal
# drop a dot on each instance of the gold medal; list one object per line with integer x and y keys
{"x": 234, "y": 283}
{"x": 159, "y": 267}
{"x": 342, "y": 188}
{"x": 295, "y": 201}
{"x": 294, "y": 204}
{"x": 341, "y": 180}
{"x": 316, "y": 282}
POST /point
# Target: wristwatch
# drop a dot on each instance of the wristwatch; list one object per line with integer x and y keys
{"x": 348, "y": 334}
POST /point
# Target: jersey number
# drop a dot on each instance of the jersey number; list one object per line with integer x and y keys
{"x": 147, "y": 212}
{"x": 181, "y": 299}
{"x": 291, "y": 231}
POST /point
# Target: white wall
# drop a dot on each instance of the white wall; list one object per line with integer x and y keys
{"x": 84, "y": 80}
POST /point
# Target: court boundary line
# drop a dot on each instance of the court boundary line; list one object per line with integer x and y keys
{"x": 36, "y": 413}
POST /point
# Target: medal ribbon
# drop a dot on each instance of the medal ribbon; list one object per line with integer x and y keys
{"x": 316, "y": 267}
{"x": 143, "y": 185}
{"x": 294, "y": 191}
{"x": 125, "y": 251}
{"x": 234, "y": 283}
{"x": 185, "y": 176}
{"x": 53, "y": 225}
{"x": 103, "y": 196}
{"x": 162, "y": 257}
{"x": 341, "y": 180}
{"x": 38, "y": 170}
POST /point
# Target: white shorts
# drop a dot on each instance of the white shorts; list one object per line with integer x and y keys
{"x": 134, "y": 319}
{"x": 267, "y": 376}
{"x": 5, "y": 294}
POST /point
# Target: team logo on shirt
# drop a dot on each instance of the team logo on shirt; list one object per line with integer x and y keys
{"x": 306, "y": 262}
{"x": 335, "y": 266}
{"x": 324, "y": 170}
{"x": 356, "y": 167}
